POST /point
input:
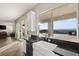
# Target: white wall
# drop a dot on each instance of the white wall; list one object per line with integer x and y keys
{"x": 10, "y": 26}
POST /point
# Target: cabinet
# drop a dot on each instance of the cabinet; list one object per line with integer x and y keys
{"x": 31, "y": 21}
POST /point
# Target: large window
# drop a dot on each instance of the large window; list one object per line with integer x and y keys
{"x": 67, "y": 26}
{"x": 44, "y": 29}
{"x": 43, "y": 26}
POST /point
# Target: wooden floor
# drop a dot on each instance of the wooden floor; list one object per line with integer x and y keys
{"x": 10, "y": 47}
{"x": 6, "y": 41}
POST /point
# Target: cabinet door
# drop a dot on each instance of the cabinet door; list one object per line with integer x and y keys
{"x": 31, "y": 21}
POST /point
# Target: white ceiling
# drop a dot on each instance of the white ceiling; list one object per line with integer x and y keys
{"x": 11, "y": 11}
{"x": 45, "y": 6}
{"x": 63, "y": 12}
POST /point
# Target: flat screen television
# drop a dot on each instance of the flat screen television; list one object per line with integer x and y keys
{"x": 2, "y": 27}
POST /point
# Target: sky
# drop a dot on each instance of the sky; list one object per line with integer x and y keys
{"x": 63, "y": 24}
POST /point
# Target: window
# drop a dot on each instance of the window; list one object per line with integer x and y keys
{"x": 66, "y": 29}
{"x": 44, "y": 29}
{"x": 43, "y": 26}
{"x": 67, "y": 26}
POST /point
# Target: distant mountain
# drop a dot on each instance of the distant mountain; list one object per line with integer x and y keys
{"x": 60, "y": 31}
{"x": 43, "y": 31}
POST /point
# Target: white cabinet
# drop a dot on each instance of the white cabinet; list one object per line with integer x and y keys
{"x": 31, "y": 21}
